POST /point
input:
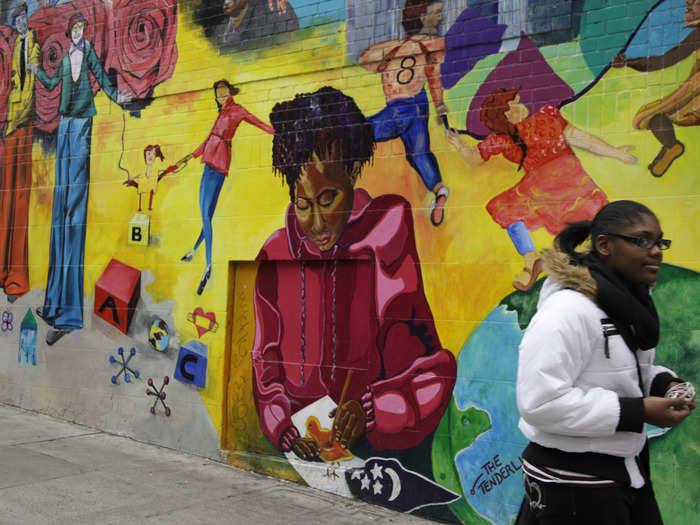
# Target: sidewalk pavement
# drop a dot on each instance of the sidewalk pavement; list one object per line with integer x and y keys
{"x": 53, "y": 472}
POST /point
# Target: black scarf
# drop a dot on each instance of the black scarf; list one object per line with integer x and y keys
{"x": 629, "y": 306}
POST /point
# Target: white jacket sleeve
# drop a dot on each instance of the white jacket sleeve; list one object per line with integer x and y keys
{"x": 554, "y": 351}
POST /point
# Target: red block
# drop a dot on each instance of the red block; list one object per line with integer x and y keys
{"x": 116, "y": 293}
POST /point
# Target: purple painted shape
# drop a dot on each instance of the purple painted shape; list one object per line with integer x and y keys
{"x": 524, "y": 67}
{"x": 471, "y": 38}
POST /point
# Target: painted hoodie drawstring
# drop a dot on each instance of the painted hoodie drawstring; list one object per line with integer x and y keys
{"x": 334, "y": 290}
{"x": 333, "y": 295}
{"x": 303, "y": 311}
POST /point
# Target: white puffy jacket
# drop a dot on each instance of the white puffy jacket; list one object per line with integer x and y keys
{"x": 570, "y": 388}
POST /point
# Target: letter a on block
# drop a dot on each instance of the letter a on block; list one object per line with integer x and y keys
{"x": 109, "y": 303}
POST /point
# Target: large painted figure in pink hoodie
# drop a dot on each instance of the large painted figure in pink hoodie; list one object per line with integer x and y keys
{"x": 339, "y": 288}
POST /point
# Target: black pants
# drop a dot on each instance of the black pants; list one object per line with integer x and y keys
{"x": 556, "y": 504}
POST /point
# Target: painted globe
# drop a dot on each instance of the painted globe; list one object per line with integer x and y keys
{"x": 477, "y": 445}
{"x": 158, "y": 335}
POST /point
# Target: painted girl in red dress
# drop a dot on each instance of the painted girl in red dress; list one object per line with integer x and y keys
{"x": 555, "y": 189}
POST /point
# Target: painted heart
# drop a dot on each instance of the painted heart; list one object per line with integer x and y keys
{"x": 209, "y": 316}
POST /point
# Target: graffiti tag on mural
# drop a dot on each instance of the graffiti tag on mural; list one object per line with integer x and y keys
{"x": 493, "y": 473}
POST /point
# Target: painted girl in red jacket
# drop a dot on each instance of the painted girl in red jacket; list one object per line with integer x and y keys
{"x": 216, "y": 157}
{"x": 340, "y": 288}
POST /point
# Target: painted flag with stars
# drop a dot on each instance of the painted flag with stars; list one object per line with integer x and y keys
{"x": 384, "y": 481}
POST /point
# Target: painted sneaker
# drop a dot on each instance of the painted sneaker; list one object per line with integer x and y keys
{"x": 665, "y": 158}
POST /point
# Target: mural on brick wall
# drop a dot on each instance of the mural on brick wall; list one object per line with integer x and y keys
{"x": 361, "y": 166}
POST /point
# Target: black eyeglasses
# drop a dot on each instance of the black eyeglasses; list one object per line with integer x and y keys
{"x": 643, "y": 242}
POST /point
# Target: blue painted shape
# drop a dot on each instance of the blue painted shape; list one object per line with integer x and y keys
{"x": 313, "y": 12}
{"x": 663, "y": 29}
{"x": 470, "y": 39}
{"x": 487, "y": 370}
{"x": 191, "y": 364}
{"x": 27, "y": 340}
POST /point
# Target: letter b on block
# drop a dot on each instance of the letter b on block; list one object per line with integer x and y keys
{"x": 139, "y": 229}
{"x": 191, "y": 364}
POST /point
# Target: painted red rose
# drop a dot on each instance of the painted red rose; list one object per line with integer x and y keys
{"x": 50, "y": 26}
{"x": 143, "y": 51}
{"x": 7, "y": 42}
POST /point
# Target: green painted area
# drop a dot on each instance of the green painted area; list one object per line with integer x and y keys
{"x": 457, "y": 430}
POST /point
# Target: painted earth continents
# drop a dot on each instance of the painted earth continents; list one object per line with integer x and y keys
{"x": 477, "y": 444}
{"x": 159, "y": 335}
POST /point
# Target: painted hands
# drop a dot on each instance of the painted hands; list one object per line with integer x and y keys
{"x": 305, "y": 448}
{"x": 124, "y": 98}
{"x": 453, "y": 138}
{"x": 619, "y": 60}
{"x": 624, "y": 154}
{"x": 349, "y": 423}
{"x": 185, "y": 159}
{"x": 277, "y": 6}
{"x": 441, "y": 111}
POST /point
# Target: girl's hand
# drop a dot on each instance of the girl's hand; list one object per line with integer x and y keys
{"x": 666, "y": 412}
{"x": 619, "y": 60}
{"x": 453, "y": 138}
{"x": 624, "y": 154}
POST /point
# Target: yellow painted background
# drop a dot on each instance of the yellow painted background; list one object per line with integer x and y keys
{"x": 468, "y": 263}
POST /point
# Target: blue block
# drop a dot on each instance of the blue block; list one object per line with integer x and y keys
{"x": 191, "y": 364}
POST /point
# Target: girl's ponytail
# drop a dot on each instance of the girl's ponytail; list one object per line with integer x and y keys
{"x": 572, "y": 236}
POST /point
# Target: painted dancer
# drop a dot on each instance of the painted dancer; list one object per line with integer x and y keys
{"x": 340, "y": 288}
{"x": 555, "y": 188}
{"x": 587, "y": 383}
{"x": 406, "y": 66}
{"x": 63, "y": 303}
{"x": 679, "y": 108}
{"x": 16, "y": 175}
{"x": 216, "y": 157}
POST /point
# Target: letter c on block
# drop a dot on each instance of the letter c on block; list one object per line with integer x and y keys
{"x": 189, "y": 358}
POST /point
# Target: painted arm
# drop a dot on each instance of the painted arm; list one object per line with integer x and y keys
{"x": 434, "y": 60}
{"x": 271, "y": 400}
{"x": 101, "y": 76}
{"x": 401, "y": 411}
{"x": 583, "y": 140}
{"x": 49, "y": 82}
{"x": 683, "y": 50}
{"x": 469, "y": 153}
{"x": 34, "y": 53}
{"x": 406, "y": 405}
{"x": 372, "y": 58}
{"x": 255, "y": 121}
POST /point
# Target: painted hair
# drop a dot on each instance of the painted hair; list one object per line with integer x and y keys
{"x": 608, "y": 219}
{"x": 20, "y": 10}
{"x": 412, "y": 13}
{"x": 155, "y": 147}
{"x": 233, "y": 90}
{"x": 74, "y": 19}
{"x": 493, "y": 115}
{"x": 314, "y": 123}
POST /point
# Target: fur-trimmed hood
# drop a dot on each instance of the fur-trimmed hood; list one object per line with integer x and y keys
{"x": 563, "y": 274}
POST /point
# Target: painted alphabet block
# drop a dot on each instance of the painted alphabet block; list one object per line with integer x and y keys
{"x": 192, "y": 364}
{"x": 116, "y": 293}
{"x": 139, "y": 229}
